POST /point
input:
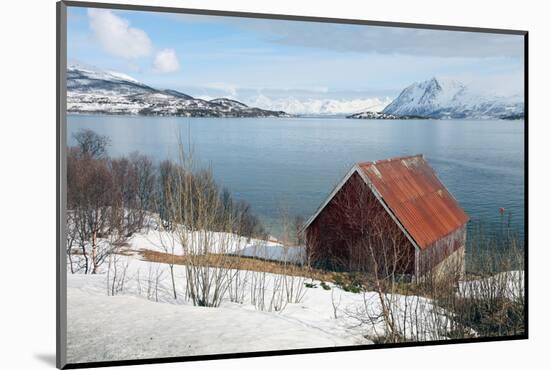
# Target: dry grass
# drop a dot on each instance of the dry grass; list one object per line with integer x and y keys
{"x": 348, "y": 281}
{"x": 244, "y": 263}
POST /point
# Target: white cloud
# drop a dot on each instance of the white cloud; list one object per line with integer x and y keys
{"x": 116, "y": 37}
{"x": 166, "y": 61}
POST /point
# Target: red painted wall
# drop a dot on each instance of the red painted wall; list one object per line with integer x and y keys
{"x": 354, "y": 231}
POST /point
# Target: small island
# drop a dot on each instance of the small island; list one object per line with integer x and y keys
{"x": 382, "y": 115}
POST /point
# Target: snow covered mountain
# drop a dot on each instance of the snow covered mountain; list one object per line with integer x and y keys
{"x": 95, "y": 91}
{"x": 321, "y": 106}
{"x": 442, "y": 98}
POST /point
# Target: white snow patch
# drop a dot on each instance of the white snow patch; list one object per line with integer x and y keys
{"x": 102, "y": 328}
{"x": 123, "y": 76}
{"x": 145, "y": 321}
{"x": 274, "y": 252}
{"x": 509, "y": 284}
{"x": 219, "y": 243}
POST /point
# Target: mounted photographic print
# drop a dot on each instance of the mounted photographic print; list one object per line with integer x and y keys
{"x": 236, "y": 185}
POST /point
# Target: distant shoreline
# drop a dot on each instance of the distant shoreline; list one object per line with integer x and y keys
{"x": 294, "y": 116}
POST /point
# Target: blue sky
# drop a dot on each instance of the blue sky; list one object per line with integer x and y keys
{"x": 249, "y": 59}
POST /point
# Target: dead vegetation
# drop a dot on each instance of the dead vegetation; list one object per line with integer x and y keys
{"x": 348, "y": 281}
{"x": 241, "y": 263}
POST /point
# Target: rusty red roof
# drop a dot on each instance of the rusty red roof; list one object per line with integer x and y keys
{"x": 416, "y": 197}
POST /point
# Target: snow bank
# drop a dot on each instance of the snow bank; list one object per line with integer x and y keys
{"x": 273, "y": 251}
{"x": 144, "y": 319}
{"x": 102, "y": 328}
{"x": 201, "y": 242}
{"x": 509, "y": 284}
{"x": 217, "y": 242}
{"x": 155, "y": 238}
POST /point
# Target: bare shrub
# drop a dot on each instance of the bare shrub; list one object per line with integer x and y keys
{"x": 487, "y": 303}
{"x": 238, "y": 284}
{"x": 89, "y": 198}
{"x": 335, "y": 303}
{"x": 294, "y": 286}
{"x": 267, "y": 291}
{"x": 116, "y": 273}
{"x": 91, "y": 143}
{"x": 168, "y": 243}
{"x": 193, "y": 204}
{"x": 246, "y": 223}
{"x": 299, "y": 223}
{"x": 107, "y": 200}
{"x": 154, "y": 277}
{"x": 273, "y": 292}
{"x": 491, "y": 301}
{"x": 72, "y": 237}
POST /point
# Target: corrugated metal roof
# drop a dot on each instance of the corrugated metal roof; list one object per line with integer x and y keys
{"x": 416, "y": 197}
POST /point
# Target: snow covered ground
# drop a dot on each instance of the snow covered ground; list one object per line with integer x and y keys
{"x": 144, "y": 320}
{"x": 132, "y": 313}
{"x": 509, "y": 284}
{"x": 125, "y": 327}
{"x": 270, "y": 312}
{"x": 273, "y": 251}
{"x": 219, "y": 242}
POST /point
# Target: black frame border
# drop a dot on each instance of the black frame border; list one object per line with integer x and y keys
{"x": 61, "y": 282}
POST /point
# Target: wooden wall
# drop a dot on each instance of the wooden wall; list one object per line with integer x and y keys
{"x": 354, "y": 231}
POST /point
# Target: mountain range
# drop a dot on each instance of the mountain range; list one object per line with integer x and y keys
{"x": 93, "y": 91}
{"x": 442, "y": 98}
{"x": 90, "y": 90}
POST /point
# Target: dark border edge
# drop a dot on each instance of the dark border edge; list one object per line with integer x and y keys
{"x": 526, "y": 178}
{"x": 228, "y": 356}
{"x": 289, "y": 17}
{"x": 61, "y": 277}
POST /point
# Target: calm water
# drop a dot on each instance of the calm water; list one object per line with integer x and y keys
{"x": 293, "y": 164}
